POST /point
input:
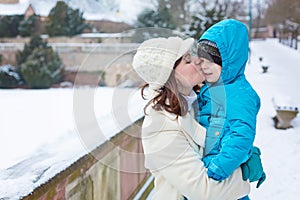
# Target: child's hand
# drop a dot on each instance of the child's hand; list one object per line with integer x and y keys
{"x": 252, "y": 169}
{"x": 215, "y": 176}
{"x": 261, "y": 180}
{"x": 213, "y": 172}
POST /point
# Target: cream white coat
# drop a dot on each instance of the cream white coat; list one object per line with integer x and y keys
{"x": 173, "y": 149}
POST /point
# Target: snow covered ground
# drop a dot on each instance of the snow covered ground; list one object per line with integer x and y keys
{"x": 280, "y": 148}
{"x": 39, "y": 136}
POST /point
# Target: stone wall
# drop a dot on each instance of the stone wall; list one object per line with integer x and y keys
{"x": 104, "y": 26}
{"x": 90, "y": 179}
{"x": 86, "y": 61}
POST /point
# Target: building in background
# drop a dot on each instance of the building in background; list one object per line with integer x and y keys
{"x": 42, "y": 10}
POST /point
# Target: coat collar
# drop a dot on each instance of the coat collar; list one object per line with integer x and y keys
{"x": 189, "y": 125}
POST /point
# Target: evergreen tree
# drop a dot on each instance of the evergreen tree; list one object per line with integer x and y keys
{"x": 42, "y": 68}
{"x": 39, "y": 65}
{"x": 76, "y": 22}
{"x": 153, "y": 23}
{"x": 9, "y": 25}
{"x": 35, "y": 42}
{"x": 57, "y": 19}
{"x": 28, "y": 26}
{"x": 9, "y": 77}
{"x": 65, "y": 21}
{"x": 161, "y": 18}
{"x": 178, "y": 10}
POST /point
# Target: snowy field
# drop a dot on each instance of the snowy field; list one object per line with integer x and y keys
{"x": 280, "y": 148}
{"x": 40, "y": 137}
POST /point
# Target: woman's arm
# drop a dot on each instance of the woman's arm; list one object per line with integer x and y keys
{"x": 169, "y": 155}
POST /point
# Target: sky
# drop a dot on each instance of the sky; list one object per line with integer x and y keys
{"x": 38, "y": 125}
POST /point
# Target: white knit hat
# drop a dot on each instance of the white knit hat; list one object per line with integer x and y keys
{"x": 155, "y": 59}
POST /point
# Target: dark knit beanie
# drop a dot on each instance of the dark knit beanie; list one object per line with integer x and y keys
{"x": 210, "y": 51}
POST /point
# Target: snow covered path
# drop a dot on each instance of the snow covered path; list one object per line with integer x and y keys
{"x": 280, "y": 148}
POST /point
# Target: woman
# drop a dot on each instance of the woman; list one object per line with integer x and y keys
{"x": 173, "y": 141}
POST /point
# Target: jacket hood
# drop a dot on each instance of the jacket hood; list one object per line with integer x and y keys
{"x": 231, "y": 38}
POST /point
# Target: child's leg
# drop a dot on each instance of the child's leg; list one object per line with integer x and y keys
{"x": 245, "y": 198}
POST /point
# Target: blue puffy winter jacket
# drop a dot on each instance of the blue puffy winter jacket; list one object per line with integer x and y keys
{"x": 228, "y": 108}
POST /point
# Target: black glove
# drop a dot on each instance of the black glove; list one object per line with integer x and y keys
{"x": 252, "y": 169}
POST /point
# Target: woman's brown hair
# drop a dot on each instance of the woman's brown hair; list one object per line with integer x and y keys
{"x": 168, "y": 97}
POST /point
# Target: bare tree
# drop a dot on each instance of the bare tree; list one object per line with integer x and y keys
{"x": 205, "y": 13}
{"x": 176, "y": 8}
{"x": 284, "y": 15}
{"x": 195, "y": 16}
{"x": 280, "y": 10}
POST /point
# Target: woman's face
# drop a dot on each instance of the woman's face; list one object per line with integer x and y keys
{"x": 211, "y": 70}
{"x": 189, "y": 72}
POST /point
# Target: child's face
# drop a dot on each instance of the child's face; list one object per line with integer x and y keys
{"x": 211, "y": 70}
